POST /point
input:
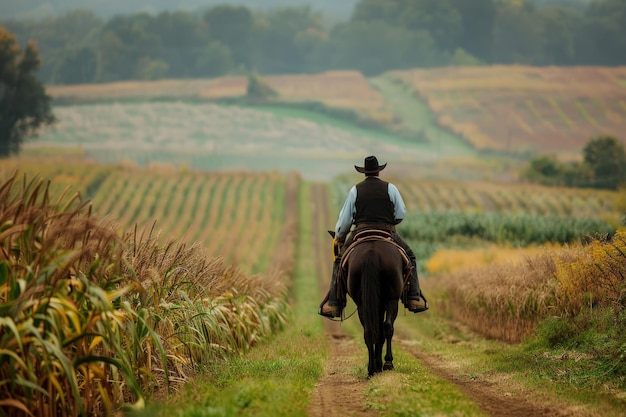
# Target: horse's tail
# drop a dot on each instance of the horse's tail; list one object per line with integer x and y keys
{"x": 371, "y": 295}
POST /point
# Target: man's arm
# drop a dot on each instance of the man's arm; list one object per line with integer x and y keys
{"x": 346, "y": 216}
{"x": 399, "y": 209}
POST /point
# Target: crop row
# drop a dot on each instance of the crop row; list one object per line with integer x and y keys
{"x": 432, "y": 195}
{"x": 235, "y": 216}
{"x": 478, "y": 197}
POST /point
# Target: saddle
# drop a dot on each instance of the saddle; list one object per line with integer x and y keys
{"x": 369, "y": 235}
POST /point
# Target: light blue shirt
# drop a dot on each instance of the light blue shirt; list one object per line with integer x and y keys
{"x": 346, "y": 215}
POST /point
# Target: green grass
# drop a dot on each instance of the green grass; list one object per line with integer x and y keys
{"x": 275, "y": 379}
{"x": 412, "y": 389}
{"x": 417, "y": 119}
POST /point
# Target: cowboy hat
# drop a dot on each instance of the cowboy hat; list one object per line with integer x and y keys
{"x": 370, "y": 166}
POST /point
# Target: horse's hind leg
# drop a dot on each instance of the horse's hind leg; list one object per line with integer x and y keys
{"x": 390, "y": 318}
{"x": 379, "y": 348}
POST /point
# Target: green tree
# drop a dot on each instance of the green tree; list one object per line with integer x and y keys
{"x": 438, "y": 17}
{"x": 180, "y": 38}
{"x": 603, "y": 36}
{"x": 278, "y": 35}
{"x": 259, "y": 89}
{"x": 232, "y": 27}
{"x": 477, "y": 21}
{"x": 77, "y": 67}
{"x": 558, "y": 29}
{"x": 215, "y": 59}
{"x": 152, "y": 69}
{"x": 544, "y": 169}
{"x": 374, "y": 47}
{"x": 385, "y": 10}
{"x": 607, "y": 159}
{"x": 517, "y": 34}
{"x": 24, "y": 105}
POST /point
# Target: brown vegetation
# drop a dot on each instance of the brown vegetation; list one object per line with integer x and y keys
{"x": 506, "y": 301}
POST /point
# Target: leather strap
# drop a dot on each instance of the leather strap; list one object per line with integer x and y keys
{"x": 381, "y": 226}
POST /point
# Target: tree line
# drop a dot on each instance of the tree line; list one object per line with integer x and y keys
{"x": 80, "y": 47}
{"x": 603, "y": 165}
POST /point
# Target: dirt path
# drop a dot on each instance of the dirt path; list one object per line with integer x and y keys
{"x": 341, "y": 393}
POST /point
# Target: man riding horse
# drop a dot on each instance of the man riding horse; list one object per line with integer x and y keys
{"x": 371, "y": 204}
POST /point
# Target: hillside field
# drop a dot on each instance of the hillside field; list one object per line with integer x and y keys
{"x": 525, "y": 109}
{"x": 511, "y": 109}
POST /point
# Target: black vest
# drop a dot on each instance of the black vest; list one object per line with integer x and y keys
{"x": 372, "y": 202}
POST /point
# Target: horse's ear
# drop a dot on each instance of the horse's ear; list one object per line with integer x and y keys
{"x": 331, "y": 233}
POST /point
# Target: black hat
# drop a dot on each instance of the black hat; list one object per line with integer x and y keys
{"x": 370, "y": 166}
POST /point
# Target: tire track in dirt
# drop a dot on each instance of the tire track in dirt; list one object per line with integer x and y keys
{"x": 339, "y": 392}
{"x": 496, "y": 396}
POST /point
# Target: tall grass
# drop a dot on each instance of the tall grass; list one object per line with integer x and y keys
{"x": 507, "y": 301}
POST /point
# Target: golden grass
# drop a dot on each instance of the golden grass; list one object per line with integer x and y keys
{"x": 124, "y": 90}
{"x": 505, "y": 300}
{"x": 571, "y": 81}
{"x": 449, "y": 261}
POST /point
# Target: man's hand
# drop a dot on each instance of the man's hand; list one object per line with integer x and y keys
{"x": 336, "y": 247}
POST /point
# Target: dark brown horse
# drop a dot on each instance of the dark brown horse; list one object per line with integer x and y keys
{"x": 374, "y": 281}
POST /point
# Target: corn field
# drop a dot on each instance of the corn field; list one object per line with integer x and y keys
{"x": 94, "y": 319}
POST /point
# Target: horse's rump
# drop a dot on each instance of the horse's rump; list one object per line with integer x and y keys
{"x": 384, "y": 256}
{"x": 379, "y": 241}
